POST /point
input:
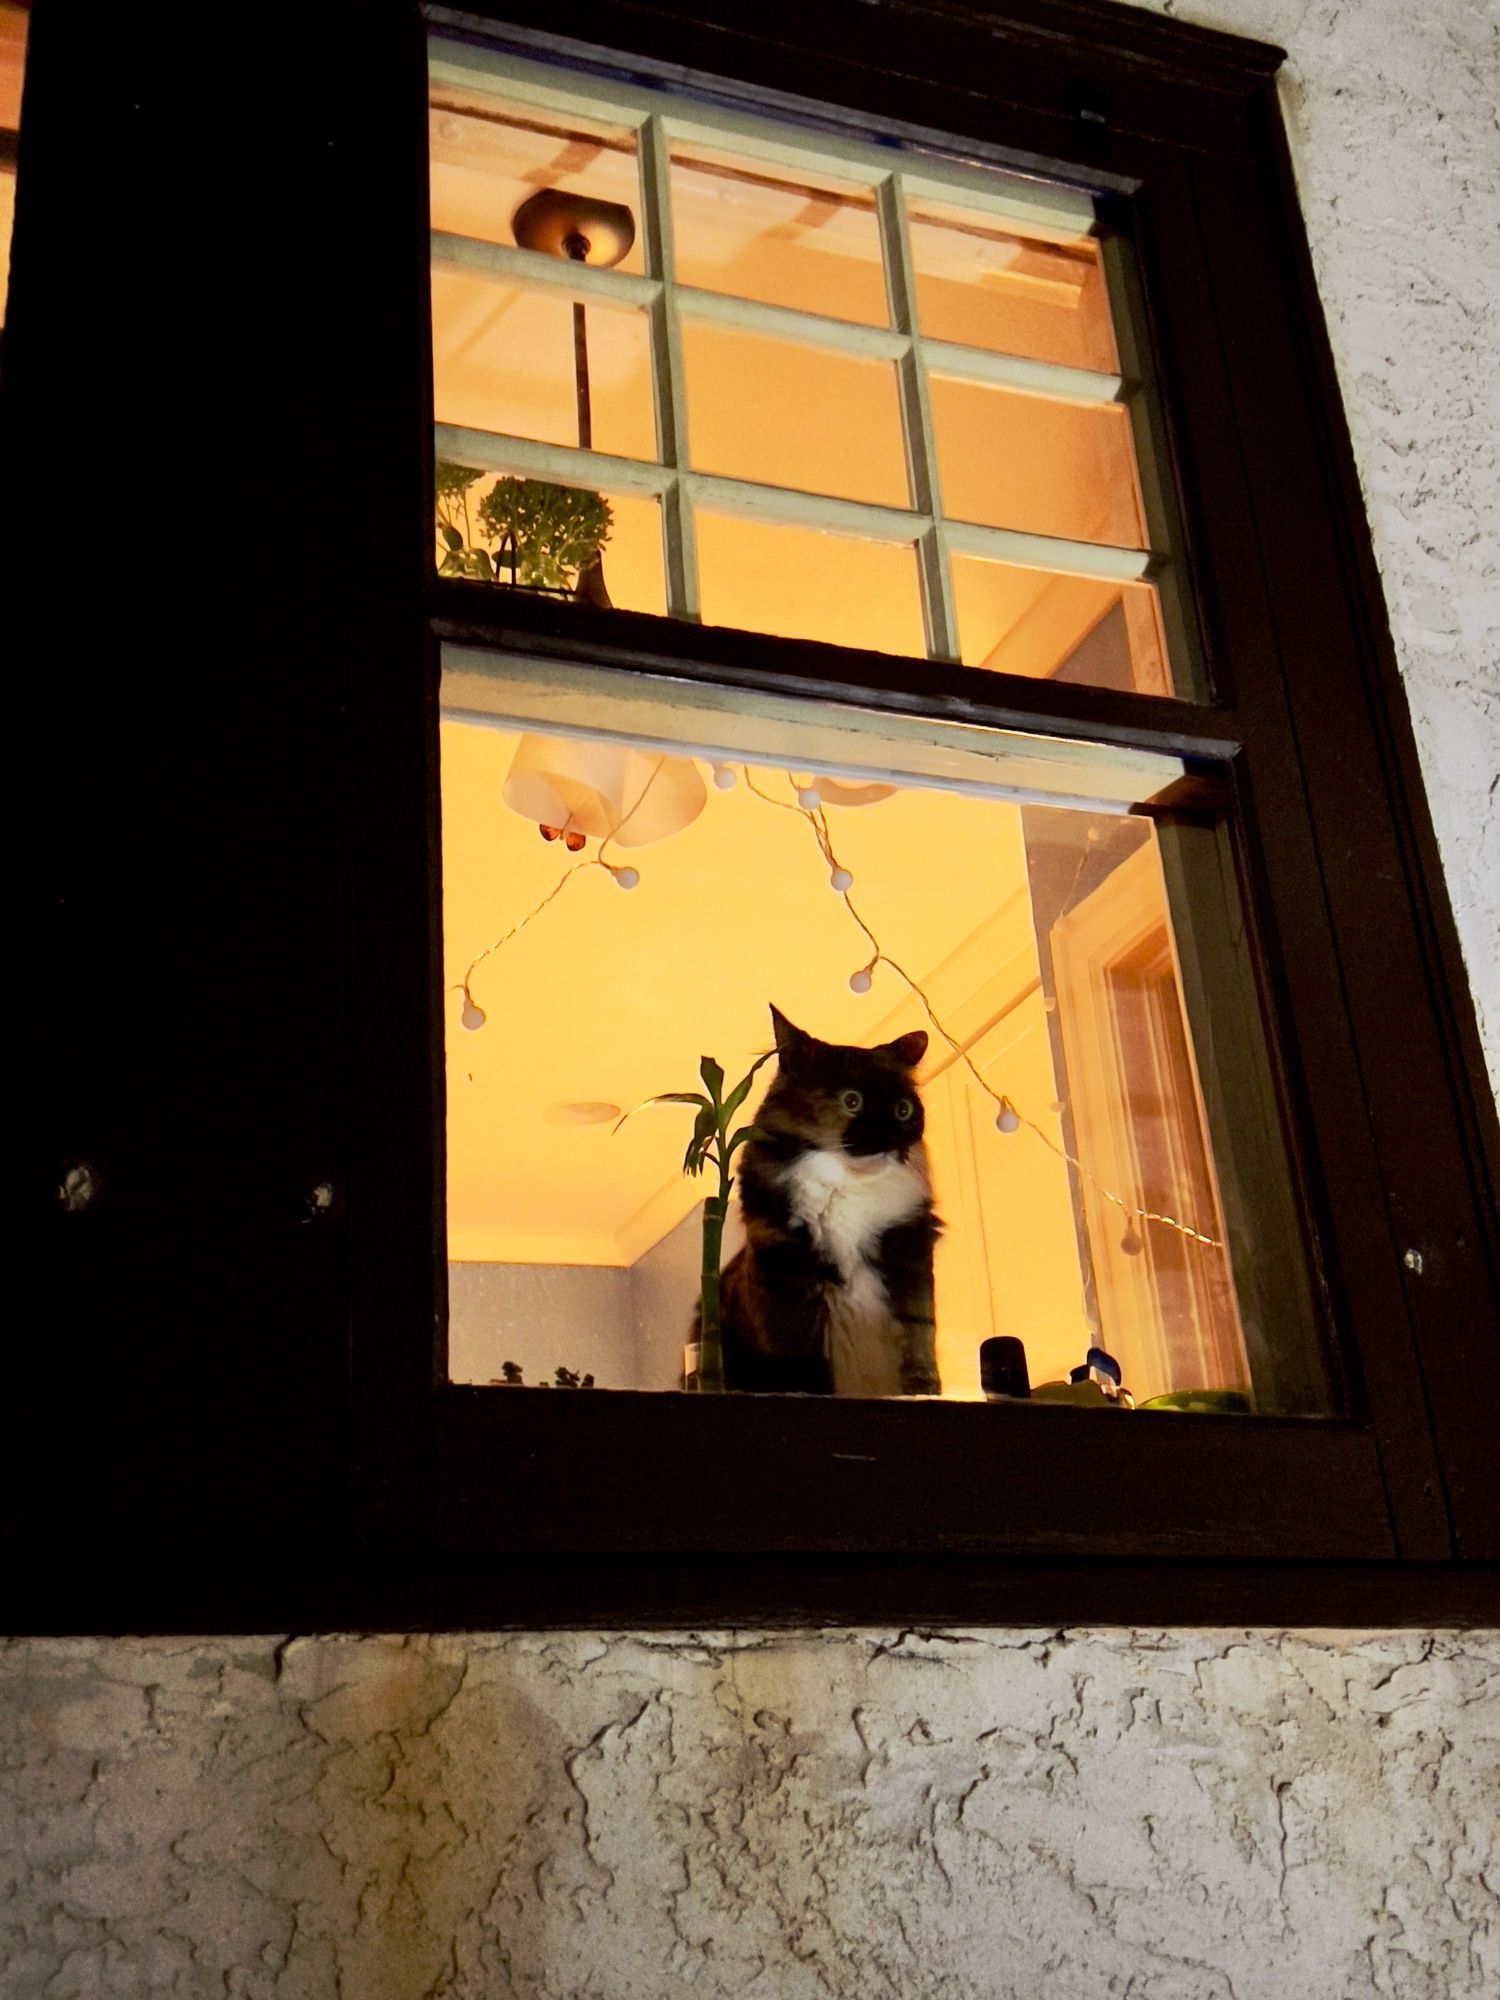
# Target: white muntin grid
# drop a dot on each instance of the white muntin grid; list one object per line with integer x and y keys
{"x": 656, "y": 122}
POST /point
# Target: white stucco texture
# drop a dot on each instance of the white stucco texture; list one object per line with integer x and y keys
{"x": 1391, "y": 114}
{"x": 1161, "y": 1816}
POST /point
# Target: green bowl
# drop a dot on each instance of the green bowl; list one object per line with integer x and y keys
{"x": 1213, "y": 1402}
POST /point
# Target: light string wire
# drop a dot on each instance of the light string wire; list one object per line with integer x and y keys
{"x": 578, "y": 867}
{"x": 817, "y": 820}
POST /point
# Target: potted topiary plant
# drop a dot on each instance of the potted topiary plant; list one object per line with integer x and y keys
{"x": 530, "y": 533}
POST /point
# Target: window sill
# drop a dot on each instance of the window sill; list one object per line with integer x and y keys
{"x": 803, "y": 1476}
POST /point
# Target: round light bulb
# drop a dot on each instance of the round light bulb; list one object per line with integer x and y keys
{"x": 472, "y": 1017}
{"x": 1006, "y": 1119}
{"x": 1131, "y": 1244}
{"x": 859, "y": 982}
{"x": 809, "y": 798}
{"x": 724, "y": 777}
{"x": 842, "y": 880}
{"x": 625, "y": 878}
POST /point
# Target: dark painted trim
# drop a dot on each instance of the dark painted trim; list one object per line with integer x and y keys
{"x": 680, "y": 1593}
{"x": 230, "y": 1411}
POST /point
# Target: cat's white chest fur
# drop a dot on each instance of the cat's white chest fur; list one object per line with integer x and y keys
{"x": 847, "y": 1207}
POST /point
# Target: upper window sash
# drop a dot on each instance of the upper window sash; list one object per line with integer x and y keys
{"x": 894, "y": 177}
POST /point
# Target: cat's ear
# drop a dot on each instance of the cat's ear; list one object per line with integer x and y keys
{"x": 791, "y": 1042}
{"x": 908, "y": 1049}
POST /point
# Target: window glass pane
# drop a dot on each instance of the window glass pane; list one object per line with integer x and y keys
{"x": 771, "y": 576}
{"x": 983, "y": 282}
{"x": 504, "y": 359}
{"x": 7, "y": 223}
{"x": 1098, "y": 1190}
{"x": 537, "y": 534}
{"x": 1009, "y": 460}
{"x": 1050, "y": 626}
{"x": 798, "y": 240}
{"x": 488, "y": 156}
{"x": 785, "y": 414}
{"x": 12, "y": 65}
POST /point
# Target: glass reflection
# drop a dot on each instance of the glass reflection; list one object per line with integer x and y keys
{"x": 804, "y": 241}
{"x": 1037, "y": 463}
{"x": 983, "y": 282}
{"x": 489, "y": 156}
{"x": 785, "y": 414}
{"x": 503, "y": 361}
{"x": 801, "y": 583}
{"x": 1051, "y": 626}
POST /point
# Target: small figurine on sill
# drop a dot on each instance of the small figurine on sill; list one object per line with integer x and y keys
{"x": 1096, "y": 1384}
{"x": 1002, "y": 1369}
{"x": 511, "y": 1377}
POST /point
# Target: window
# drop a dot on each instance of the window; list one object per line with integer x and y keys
{"x": 1011, "y": 899}
{"x": 1087, "y": 588}
{"x": 234, "y": 692}
{"x": 827, "y": 390}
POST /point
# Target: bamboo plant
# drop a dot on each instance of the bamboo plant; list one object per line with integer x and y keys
{"x": 713, "y": 1144}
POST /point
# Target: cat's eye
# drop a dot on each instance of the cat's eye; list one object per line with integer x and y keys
{"x": 851, "y": 1101}
{"x": 903, "y": 1108}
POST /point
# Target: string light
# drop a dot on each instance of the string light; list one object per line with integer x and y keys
{"x": 1008, "y": 1118}
{"x": 809, "y": 807}
{"x": 473, "y": 1016}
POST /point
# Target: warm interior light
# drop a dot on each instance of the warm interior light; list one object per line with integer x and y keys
{"x": 605, "y": 1000}
{"x": 561, "y": 223}
{"x": 603, "y": 790}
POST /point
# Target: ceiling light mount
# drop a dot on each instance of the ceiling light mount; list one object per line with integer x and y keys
{"x": 576, "y": 226}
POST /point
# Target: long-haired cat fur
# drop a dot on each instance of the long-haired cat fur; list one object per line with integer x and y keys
{"x": 832, "y": 1293}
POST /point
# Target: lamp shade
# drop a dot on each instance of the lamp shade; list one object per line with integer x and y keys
{"x": 574, "y": 225}
{"x": 606, "y": 790}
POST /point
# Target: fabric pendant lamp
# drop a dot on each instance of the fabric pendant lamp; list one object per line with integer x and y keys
{"x": 608, "y": 791}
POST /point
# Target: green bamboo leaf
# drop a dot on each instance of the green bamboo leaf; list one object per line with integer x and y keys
{"x": 745, "y": 1132}
{"x": 704, "y": 1128}
{"x": 741, "y": 1090}
{"x": 668, "y": 1097}
{"x": 713, "y": 1076}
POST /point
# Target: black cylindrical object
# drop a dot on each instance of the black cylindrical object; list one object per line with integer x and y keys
{"x": 1002, "y": 1366}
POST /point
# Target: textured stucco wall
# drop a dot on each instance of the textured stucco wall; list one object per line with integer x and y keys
{"x": 1390, "y": 107}
{"x": 1165, "y": 1817}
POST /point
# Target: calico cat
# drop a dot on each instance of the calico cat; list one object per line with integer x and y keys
{"x": 832, "y": 1293}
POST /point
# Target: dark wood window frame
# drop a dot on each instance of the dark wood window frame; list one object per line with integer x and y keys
{"x": 408, "y": 1501}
